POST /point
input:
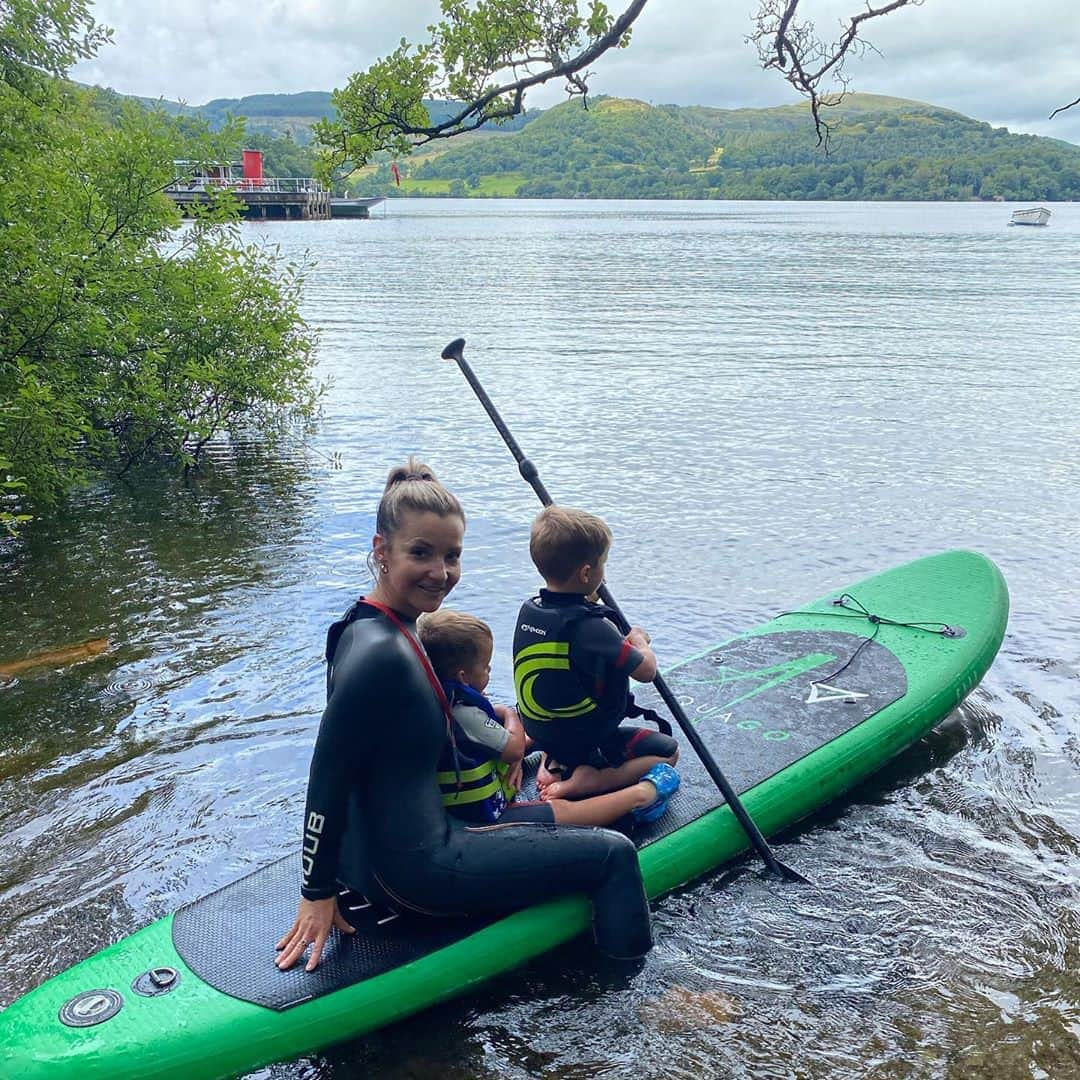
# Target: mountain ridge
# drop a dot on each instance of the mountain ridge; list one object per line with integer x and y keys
{"x": 880, "y": 147}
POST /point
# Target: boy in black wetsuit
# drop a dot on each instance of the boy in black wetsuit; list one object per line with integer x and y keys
{"x": 572, "y": 666}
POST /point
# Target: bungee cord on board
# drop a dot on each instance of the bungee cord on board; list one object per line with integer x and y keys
{"x": 846, "y": 600}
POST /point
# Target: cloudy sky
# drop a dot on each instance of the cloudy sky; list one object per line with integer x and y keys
{"x": 1006, "y": 63}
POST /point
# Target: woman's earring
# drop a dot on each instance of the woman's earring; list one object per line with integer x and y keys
{"x": 382, "y": 568}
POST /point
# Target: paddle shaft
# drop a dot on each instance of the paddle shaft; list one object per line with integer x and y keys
{"x": 456, "y": 351}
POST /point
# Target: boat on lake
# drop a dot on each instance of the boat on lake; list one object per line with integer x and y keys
{"x": 353, "y": 208}
{"x": 1036, "y": 215}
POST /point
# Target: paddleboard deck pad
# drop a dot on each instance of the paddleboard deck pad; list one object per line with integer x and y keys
{"x": 795, "y": 712}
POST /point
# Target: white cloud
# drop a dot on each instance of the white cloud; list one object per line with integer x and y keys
{"x": 989, "y": 59}
{"x": 207, "y": 49}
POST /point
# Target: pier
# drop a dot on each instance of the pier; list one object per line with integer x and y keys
{"x": 301, "y": 198}
{"x": 282, "y": 197}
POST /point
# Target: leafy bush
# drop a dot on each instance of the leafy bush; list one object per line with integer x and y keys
{"x": 122, "y": 333}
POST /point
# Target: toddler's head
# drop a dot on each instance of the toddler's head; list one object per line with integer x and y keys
{"x": 459, "y": 646}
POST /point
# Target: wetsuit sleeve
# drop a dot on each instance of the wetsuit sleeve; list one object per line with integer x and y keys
{"x": 346, "y": 742}
{"x": 596, "y": 639}
{"x": 481, "y": 729}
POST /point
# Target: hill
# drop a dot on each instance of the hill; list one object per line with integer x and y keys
{"x": 280, "y": 126}
{"x": 288, "y": 115}
{"x": 880, "y": 148}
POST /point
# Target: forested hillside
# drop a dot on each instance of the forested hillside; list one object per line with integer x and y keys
{"x": 880, "y": 148}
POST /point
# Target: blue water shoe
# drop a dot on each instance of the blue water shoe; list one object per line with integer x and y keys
{"x": 666, "y": 781}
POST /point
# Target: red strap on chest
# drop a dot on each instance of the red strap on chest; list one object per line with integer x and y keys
{"x": 440, "y": 693}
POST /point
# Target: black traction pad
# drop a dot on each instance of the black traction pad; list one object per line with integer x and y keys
{"x": 759, "y": 703}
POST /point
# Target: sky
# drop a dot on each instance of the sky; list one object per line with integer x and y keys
{"x": 998, "y": 61}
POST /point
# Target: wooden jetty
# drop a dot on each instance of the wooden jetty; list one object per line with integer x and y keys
{"x": 283, "y": 197}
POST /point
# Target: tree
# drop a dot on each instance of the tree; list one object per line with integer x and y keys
{"x": 792, "y": 46}
{"x": 121, "y": 337}
{"x": 45, "y": 37}
{"x": 485, "y": 55}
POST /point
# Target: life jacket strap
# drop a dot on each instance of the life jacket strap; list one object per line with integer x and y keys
{"x": 650, "y": 716}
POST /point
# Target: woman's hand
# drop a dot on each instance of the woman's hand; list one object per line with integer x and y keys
{"x": 638, "y": 637}
{"x": 314, "y": 918}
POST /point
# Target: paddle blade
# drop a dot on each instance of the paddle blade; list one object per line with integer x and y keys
{"x": 455, "y": 350}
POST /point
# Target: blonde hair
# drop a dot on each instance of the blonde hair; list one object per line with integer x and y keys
{"x": 563, "y": 540}
{"x": 413, "y": 488}
{"x": 452, "y": 640}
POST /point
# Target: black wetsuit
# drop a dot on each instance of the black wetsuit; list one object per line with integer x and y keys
{"x": 375, "y": 819}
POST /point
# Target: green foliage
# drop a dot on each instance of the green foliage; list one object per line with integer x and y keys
{"x": 378, "y": 107}
{"x": 10, "y": 490}
{"x": 475, "y": 53}
{"x": 882, "y": 148}
{"x": 45, "y": 37}
{"x": 122, "y": 334}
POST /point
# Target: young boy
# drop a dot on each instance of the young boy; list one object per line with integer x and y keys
{"x": 490, "y": 739}
{"x": 572, "y": 666}
{"x": 490, "y": 742}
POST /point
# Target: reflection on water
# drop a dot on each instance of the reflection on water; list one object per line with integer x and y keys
{"x": 766, "y": 401}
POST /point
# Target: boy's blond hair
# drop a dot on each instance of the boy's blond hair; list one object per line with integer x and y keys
{"x": 563, "y": 540}
{"x": 452, "y": 640}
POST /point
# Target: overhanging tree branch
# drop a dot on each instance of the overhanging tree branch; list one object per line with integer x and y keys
{"x": 483, "y": 57}
{"x": 488, "y": 107}
{"x": 1062, "y": 108}
{"x": 486, "y": 54}
{"x": 806, "y": 60}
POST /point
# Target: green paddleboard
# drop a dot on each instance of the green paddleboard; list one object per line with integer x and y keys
{"x": 796, "y": 712}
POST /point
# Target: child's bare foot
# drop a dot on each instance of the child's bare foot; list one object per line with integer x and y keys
{"x": 549, "y": 772}
{"x": 581, "y": 782}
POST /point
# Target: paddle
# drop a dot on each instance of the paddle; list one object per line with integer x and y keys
{"x": 456, "y": 351}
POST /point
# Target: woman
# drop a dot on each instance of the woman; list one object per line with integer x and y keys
{"x": 374, "y": 809}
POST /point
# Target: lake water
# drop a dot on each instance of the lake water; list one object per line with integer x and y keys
{"x": 766, "y": 401}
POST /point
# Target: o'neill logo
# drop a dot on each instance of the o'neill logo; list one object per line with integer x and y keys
{"x": 820, "y": 692}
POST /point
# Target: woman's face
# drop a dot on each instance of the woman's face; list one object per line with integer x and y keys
{"x": 420, "y": 564}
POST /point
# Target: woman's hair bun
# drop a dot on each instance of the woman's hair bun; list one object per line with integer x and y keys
{"x": 413, "y": 469}
{"x": 413, "y": 488}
